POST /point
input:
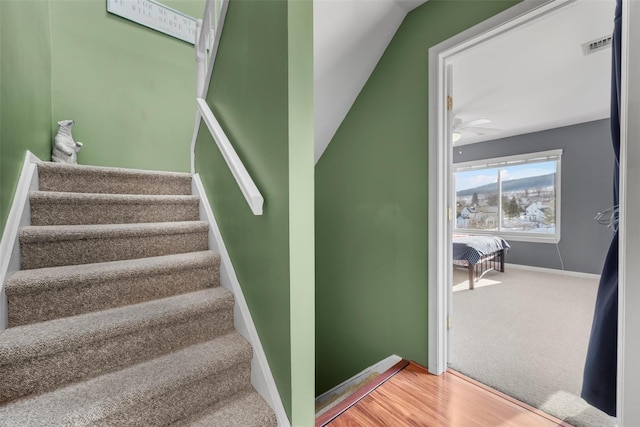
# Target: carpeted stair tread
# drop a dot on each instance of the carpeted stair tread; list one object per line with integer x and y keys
{"x": 96, "y": 179}
{"x": 117, "y": 317}
{"x": 42, "y": 279}
{"x": 43, "y": 294}
{"x": 56, "y": 245}
{"x": 45, "y": 355}
{"x": 64, "y": 208}
{"x": 245, "y": 409}
{"x": 156, "y": 392}
{"x": 24, "y": 342}
{"x": 51, "y": 233}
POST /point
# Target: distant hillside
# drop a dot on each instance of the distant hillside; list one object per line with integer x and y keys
{"x": 513, "y": 185}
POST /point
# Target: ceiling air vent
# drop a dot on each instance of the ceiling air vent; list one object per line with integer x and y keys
{"x": 597, "y": 44}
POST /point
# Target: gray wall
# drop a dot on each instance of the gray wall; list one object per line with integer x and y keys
{"x": 587, "y": 181}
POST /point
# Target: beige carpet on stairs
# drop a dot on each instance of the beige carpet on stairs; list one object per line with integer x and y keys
{"x": 117, "y": 317}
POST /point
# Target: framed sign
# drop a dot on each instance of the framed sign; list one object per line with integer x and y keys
{"x": 157, "y": 16}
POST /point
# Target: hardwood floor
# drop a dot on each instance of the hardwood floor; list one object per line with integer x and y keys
{"x": 408, "y": 395}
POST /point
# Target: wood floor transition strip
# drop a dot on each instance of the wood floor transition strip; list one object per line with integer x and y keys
{"x": 408, "y": 395}
{"x": 360, "y": 393}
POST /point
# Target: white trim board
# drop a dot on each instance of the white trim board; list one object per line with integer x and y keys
{"x": 628, "y": 405}
{"x": 215, "y": 43}
{"x": 212, "y": 60}
{"x": 552, "y": 271}
{"x": 261, "y": 377}
{"x": 379, "y": 368}
{"x": 440, "y": 162}
{"x": 19, "y": 216}
{"x": 519, "y": 159}
{"x": 194, "y": 139}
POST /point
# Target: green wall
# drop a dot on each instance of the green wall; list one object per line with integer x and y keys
{"x": 130, "y": 89}
{"x": 301, "y": 211}
{"x": 371, "y": 205}
{"x": 262, "y": 95}
{"x": 250, "y": 95}
{"x": 25, "y": 90}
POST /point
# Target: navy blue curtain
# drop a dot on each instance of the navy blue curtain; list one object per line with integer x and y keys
{"x": 600, "y": 371}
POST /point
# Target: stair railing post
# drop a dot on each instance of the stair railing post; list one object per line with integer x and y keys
{"x": 200, "y": 61}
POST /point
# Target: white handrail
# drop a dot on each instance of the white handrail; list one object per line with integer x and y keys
{"x": 206, "y": 44}
{"x": 202, "y": 46}
{"x": 246, "y": 184}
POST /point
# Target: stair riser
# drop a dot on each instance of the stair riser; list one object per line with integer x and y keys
{"x": 244, "y": 409}
{"x": 88, "y": 295}
{"x": 79, "y": 361}
{"x": 43, "y": 213}
{"x": 176, "y": 404}
{"x": 83, "y": 181}
{"x": 92, "y": 250}
{"x": 97, "y": 342}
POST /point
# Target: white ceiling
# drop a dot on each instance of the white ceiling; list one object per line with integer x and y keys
{"x": 349, "y": 38}
{"x": 529, "y": 79}
{"x": 536, "y": 77}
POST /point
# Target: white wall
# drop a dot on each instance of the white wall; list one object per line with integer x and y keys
{"x": 349, "y": 38}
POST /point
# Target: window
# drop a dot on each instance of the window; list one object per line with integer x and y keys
{"x": 516, "y": 197}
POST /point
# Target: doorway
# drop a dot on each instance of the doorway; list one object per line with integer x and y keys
{"x": 441, "y": 211}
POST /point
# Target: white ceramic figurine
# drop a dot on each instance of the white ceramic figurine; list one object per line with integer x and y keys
{"x": 65, "y": 149}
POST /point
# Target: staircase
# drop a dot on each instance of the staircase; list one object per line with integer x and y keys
{"x": 117, "y": 316}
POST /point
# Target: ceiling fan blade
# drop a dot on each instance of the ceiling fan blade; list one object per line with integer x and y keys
{"x": 482, "y": 131}
{"x": 475, "y": 122}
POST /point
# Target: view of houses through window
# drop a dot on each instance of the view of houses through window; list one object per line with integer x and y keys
{"x": 515, "y": 195}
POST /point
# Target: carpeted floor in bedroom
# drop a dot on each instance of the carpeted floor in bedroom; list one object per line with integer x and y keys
{"x": 525, "y": 333}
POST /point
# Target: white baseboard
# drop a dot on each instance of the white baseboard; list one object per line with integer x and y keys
{"x": 553, "y": 271}
{"x": 261, "y": 377}
{"x": 194, "y": 139}
{"x": 19, "y": 216}
{"x": 379, "y": 368}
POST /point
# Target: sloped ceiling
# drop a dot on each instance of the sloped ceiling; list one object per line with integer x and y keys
{"x": 349, "y": 39}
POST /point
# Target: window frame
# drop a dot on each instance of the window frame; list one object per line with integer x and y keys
{"x": 506, "y": 161}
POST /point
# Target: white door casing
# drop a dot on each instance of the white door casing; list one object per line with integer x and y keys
{"x": 440, "y": 173}
{"x": 440, "y": 149}
{"x": 628, "y": 405}
{"x": 450, "y": 208}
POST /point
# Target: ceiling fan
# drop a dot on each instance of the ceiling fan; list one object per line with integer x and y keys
{"x": 472, "y": 126}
